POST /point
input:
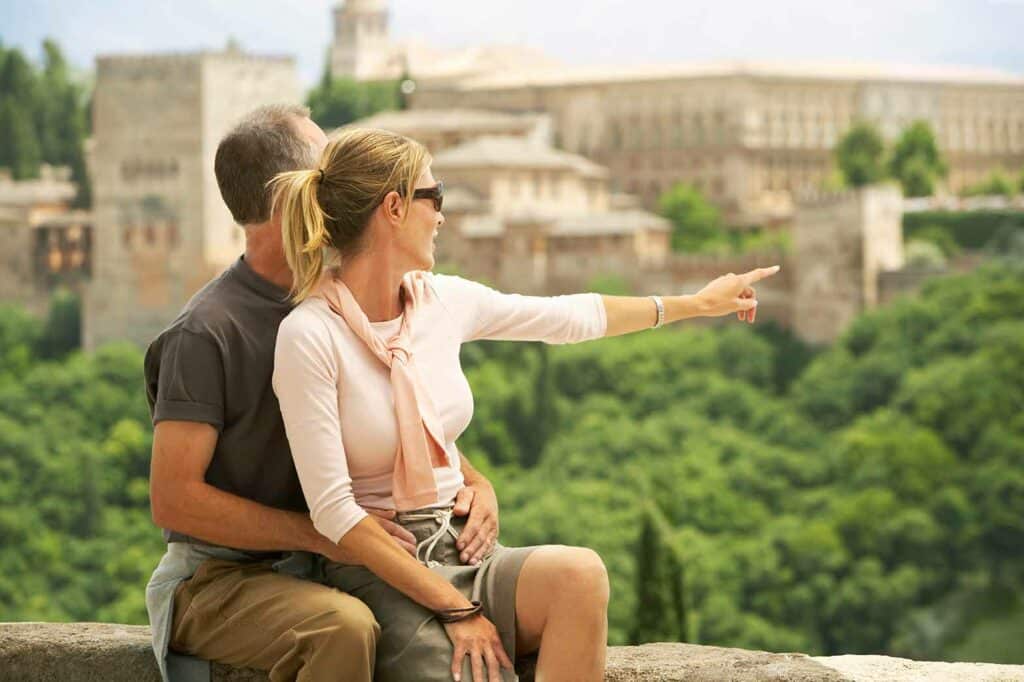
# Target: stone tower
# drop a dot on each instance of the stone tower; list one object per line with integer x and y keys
{"x": 841, "y": 244}
{"x": 161, "y": 230}
{"x": 361, "y": 48}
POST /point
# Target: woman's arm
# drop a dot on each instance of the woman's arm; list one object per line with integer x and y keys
{"x": 480, "y": 312}
{"x": 371, "y": 546}
{"x": 725, "y": 295}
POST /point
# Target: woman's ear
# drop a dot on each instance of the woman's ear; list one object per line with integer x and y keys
{"x": 394, "y": 207}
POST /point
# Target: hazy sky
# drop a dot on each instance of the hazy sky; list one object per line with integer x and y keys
{"x": 967, "y": 32}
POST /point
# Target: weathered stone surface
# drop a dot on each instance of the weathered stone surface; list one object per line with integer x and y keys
{"x": 694, "y": 663}
{"x": 887, "y": 669}
{"x": 100, "y": 652}
{"x": 76, "y": 652}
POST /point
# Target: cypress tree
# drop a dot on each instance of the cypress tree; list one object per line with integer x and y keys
{"x": 19, "y": 143}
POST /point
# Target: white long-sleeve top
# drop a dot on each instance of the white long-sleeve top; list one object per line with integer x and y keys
{"x": 336, "y": 397}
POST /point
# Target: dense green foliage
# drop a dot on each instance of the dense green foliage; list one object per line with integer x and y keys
{"x": 915, "y": 160}
{"x": 742, "y": 489}
{"x": 76, "y": 542}
{"x": 860, "y": 155}
{"x": 998, "y": 183}
{"x": 697, "y": 226}
{"x": 43, "y": 116}
{"x": 695, "y": 221}
{"x": 335, "y": 102}
{"x": 994, "y": 231}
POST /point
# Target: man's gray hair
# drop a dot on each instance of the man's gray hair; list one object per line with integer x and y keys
{"x": 264, "y": 143}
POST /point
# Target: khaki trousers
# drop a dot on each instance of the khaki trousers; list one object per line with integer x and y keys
{"x": 248, "y": 616}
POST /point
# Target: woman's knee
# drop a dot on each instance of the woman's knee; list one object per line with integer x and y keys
{"x": 584, "y": 574}
{"x": 573, "y": 573}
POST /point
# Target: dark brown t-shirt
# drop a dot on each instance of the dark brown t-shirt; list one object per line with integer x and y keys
{"x": 213, "y": 364}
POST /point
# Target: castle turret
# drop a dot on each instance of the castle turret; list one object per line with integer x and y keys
{"x": 161, "y": 228}
{"x": 361, "y": 47}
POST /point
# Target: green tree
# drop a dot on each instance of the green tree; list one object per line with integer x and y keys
{"x": 339, "y": 101}
{"x": 17, "y": 78}
{"x": 20, "y": 149}
{"x": 63, "y": 124}
{"x": 997, "y": 183}
{"x": 937, "y": 235}
{"x": 660, "y": 610}
{"x": 920, "y": 253}
{"x": 859, "y": 155}
{"x": 42, "y": 117}
{"x": 696, "y": 223}
{"x": 916, "y": 161}
{"x": 63, "y": 330}
{"x": 19, "y": 142}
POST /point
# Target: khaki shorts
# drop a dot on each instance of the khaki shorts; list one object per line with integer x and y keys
{"x": 248, "y": 616}
{"x": 413, "y": 644}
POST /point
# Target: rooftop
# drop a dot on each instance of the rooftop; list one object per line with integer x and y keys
{"x": 445, "y": 120}
{"x": 514, "y": 152}
{"x": 560, "y": 225}
{"x": 53, "y": 186}
{"x": 797, "y": 70}
{"x": 609, "y": 222}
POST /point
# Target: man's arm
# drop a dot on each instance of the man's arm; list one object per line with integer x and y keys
{"x": 181, "y": 499}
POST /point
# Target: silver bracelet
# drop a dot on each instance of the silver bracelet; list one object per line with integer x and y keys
{"x": 661, "y": 312}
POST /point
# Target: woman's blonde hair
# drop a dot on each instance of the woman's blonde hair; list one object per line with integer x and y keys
{"x": 329, "y": 207}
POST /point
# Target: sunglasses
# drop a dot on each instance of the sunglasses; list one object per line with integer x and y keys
{"x": 435, "y": 193}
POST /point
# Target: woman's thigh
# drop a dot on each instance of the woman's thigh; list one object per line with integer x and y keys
{"x": 412, "y": 645}
{"x": 551, "y": 575}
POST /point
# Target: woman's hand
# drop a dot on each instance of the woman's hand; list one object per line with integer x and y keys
{"x": 481, "y": 530}
{"x": 733, "y": 293}
{"x": 477, "y": 638}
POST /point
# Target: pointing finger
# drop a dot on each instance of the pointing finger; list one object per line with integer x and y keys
{"x": 758, "y": 274}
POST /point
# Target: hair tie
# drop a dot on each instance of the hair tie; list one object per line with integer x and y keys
{"x": 321, "y": 175}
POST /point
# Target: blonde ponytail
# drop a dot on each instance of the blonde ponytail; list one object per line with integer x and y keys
{"x": 325, "y": 213}
{"x": 303, "y": 228}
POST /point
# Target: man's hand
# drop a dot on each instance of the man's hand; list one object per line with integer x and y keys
{"x": 481, "y": 532}
{"x": 383, "y": 517}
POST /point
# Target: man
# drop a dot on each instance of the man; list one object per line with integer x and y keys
{"x": 238, "y": 582}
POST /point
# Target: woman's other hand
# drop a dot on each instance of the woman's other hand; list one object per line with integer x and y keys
{"x": 733, "y": 293}
{"x": 477, "y": 638}
{"x": 479, "y": 501}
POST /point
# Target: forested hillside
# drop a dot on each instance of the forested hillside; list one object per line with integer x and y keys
{"x": 742, "y": 489}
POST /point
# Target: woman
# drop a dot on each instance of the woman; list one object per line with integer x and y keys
{"x": 373, "y": 397}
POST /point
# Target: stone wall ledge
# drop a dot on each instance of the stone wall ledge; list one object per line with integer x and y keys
{"x": 94, "y": 652}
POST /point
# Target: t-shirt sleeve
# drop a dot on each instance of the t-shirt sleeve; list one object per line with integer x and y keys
{"x": 483, "y": 313}
{"x": 185, "y": 379}
{"x": 306, "y": 383}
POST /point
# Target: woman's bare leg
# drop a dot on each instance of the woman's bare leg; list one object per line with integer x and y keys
{"x": 562, "y": 609}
